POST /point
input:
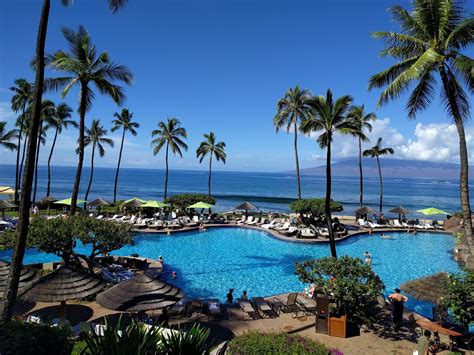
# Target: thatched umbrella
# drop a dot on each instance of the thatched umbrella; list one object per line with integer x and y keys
{"x": 133, "y": 203}
{"x": 5, "y": 205}
{"x": 142, "y": 293}
{"x": 99, "y": 202}
{"x": 28, "y": 276}
{"x": 399, "y": 210}
{"x": 245, "y": 206}
{"x": 429, "y": 288}
{"x": 364, "y": 210}
{"x": 62, "y": 285}
{"x": 48, "y": 201}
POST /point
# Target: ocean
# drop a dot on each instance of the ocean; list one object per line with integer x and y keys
{"x": 267, "y": 191}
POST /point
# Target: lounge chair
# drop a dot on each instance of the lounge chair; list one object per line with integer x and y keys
{"x": 262, "y": 307}
{"x": 175, "y": 224}
{"x": 307, "y": 233}
{"x": 270, "y": 225}
{"x": 253, "y": 222}
{"x": 323, "y": 232}
{"x": 196, "y": 307}
{"x": 247, "y": 307}
{"x": 308, "y": 305}
{"x": 290, "y": 231}
{"x": 290, "y": 305}
{"x": 101, "y": 216}
{"x": 181, "y": 308}
{"x": 249, "y": 220}
{"x": 375, "y": 225}
{"x": 361, "y": 222}
{"x": 397, "y": 224}
{"x": 284, "y": 227}
{"x": 140, "y": 223}
{"x": 213, "y": 308}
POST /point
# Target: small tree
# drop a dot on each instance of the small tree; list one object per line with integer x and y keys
{"x": 182, "y": 201}
{"x": 312, "y": 210}
{"x": 460, "y": 292}
{"x": 352, "y": 284}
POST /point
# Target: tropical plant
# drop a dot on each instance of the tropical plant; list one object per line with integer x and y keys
{"x": 193, "y": 341}
{"x": 329, "y": 118}
{"x": 375, "y": 152}
{"x": 169, "y": 134}
{"x": 434, "y": 36}
{"x": 362, "y": 121}
{"x": 23, "y": 94}
{"x": 123, "y": 121}
{"x": 48, "y": 112}
{"x": 86, "y": 67}
{"x": 292, "y": 109}
{"x": 352, "y": 284}
{"x": 209, "y": 146}
{"x": 312, "y": 211}
{"x": 6, "y": 137}
{"x": 459, "y": 297}
{"x": 258, "y": 342}
{"x": 95, "y": 136}
{"x": 11, "y": 284}
{"x": 59, "y": 122}
{"x": 182, "y": 201}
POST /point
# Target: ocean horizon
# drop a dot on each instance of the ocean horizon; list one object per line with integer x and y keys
{"x": 268, "y": 191}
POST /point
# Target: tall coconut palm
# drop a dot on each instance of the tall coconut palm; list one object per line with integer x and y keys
{"x": 432, "y": 40}
{"x": 209, "y": 146}
{"x": 86, "y": 67}
{"x": 23, "y": 94}
{"x": 292, "y": 109}
{"x": 123, "y": 121}
{"x": 7, "y": 137}
{"x": 95, "y": 136}
{"x": 329, "y": 118}
{"x": 23, "y": 123}
{"x": 362, "y": 121}
{"x": 171, "y": 135}
{"x": 48, "y": 112}
{"x": 11, "y": 284}
{"x": 59, "y": 122}
{"x": 375, "y": 152}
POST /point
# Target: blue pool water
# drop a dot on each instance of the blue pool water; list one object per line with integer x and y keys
{"x": 209, "y": 263}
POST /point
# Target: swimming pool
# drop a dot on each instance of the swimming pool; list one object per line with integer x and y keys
{"x": 209, "y": 263}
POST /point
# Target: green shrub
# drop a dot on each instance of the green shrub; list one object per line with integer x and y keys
{"x": 255, "y": 342}
{"x": 459, "y": 298}
{"x": 17, "y": 338}
{"x": 181, "y": 202}
{"x": 312, "y": 210}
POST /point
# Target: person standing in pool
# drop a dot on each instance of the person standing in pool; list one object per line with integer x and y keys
{"x": 398, "y": 301}
{"x": 368, "y": 258}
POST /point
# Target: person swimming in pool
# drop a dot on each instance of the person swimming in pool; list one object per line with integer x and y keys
{"x": 384, "y": 236}
{"x": 368, "y": 258}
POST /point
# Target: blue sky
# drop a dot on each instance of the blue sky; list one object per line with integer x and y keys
{"x": 222, "y": 66}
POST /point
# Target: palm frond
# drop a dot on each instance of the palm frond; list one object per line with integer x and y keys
{"x": 422, "y": 95}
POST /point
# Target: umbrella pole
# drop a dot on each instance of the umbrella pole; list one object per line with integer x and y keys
{"x": 62, "y": 312}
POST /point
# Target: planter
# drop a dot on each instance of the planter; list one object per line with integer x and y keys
{"x": 338, "y": 326}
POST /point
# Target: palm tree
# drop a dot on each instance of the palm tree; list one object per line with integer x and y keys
{"x": 124, "y": 121}
{"x": 23, "y": 94}
{"x": 171, "y": 134}
{"x": 6, "y": 137}
{"x": 48, "y": 111}
{"x": 361, "y": 120}
{"x": 432, "y": 40}
{"x": 329, "y": 117}
{"x": 86, "y": 67}
{"x": 95, "y": 136}
{"x": 375, "y": 152}
{"x": 209, "y": 146}
{"x": 11, "y": 284}
{"x": 292, "y": 109}
{"x": 59, "y": 122}
{"x": 23, "y": 123}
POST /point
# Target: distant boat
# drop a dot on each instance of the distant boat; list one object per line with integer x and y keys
{"x": 440, "y": 182}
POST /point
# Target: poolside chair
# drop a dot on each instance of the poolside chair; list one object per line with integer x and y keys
{"x": 375, "y": 225}
{"x": 270, "y": 225}
{"x": 308, "y": 305}
{"x": 262, "y": 307}
{"x": 249, "y": 220}
{"x": 290, "y": 231}
{"x": 196, "y": 307}
{"x": 175, "y": 224}
{"x": 284, "y": 227}
{"x": 101, "y": 216}
{"x": 253, "y": 222}
{"x": 397, "y": 224}
{"x": 181, "y": 308}
{"x": 247, "y": 307}
{"x": 361, "y": 222}
{"x": 290, "y": 305}
{"x": 324, "y": 232}
{"x": 213, "y": 308}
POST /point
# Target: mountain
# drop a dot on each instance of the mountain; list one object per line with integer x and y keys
{"x": 391, "y": 168}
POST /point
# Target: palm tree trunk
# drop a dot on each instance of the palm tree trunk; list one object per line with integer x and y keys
{"x": 48, "y": 189}
{"x": 210, "y": 172}
{"x": 11, "y": 285}
{"x": 92, "y": 172}
{"x": 463, "y": 155}
{"x": 25, "y": 143}
{"x": 360, "y": 174}
{"x": 82, "y": 118}
{"x": 166, "y": 173}
{"x": 37, "y": 159}
{"x": 118, "y": 165}
{"x": 381, "y": 186}
{"x": 17, "y": 171}
{"x": 296, "y": 159}
{"x": 327, "y": 202}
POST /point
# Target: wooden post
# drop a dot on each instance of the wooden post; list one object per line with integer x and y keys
{"x": 62, "y": 312}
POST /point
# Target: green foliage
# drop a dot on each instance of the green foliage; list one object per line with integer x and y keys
{"x": 354, "y": 285}
{"x": 460, "y": 292}
{"x": 182, "y": 201}
{"x": 256, "y": 342}
{"x": 140, "y": 339}
{"x": 18, "y": 338}
{"x": 312, "y": 209}
{"x": 59, "y": 236}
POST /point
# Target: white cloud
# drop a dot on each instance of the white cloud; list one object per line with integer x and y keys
{"x": 6, "y": 113}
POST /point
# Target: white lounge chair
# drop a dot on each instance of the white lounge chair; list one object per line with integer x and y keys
{"x": 100, "y": 216}
{"x": 361, "y": 222}
{"x": 253, "y": 222}
{"x": 397, "y": 224}
{"x": 308, "y": 233}
{"x": 270, "y": 225}
{"x": 284, "y": 227}
{"x": 375, "y": 225}
{"x": 249, "y": 220}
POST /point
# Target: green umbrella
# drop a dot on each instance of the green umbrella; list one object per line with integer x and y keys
{"x": 67, "y": 202}
{"x": 200, "y": 205}
{"x": 135, "y": 198}
{"x": 432, "y": 210}
{"x": 154, "y": 204}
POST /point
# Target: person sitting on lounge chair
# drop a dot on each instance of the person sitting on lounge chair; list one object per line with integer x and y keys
{"x": 244, "y": 296}
{"x": 230, "y": 296}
